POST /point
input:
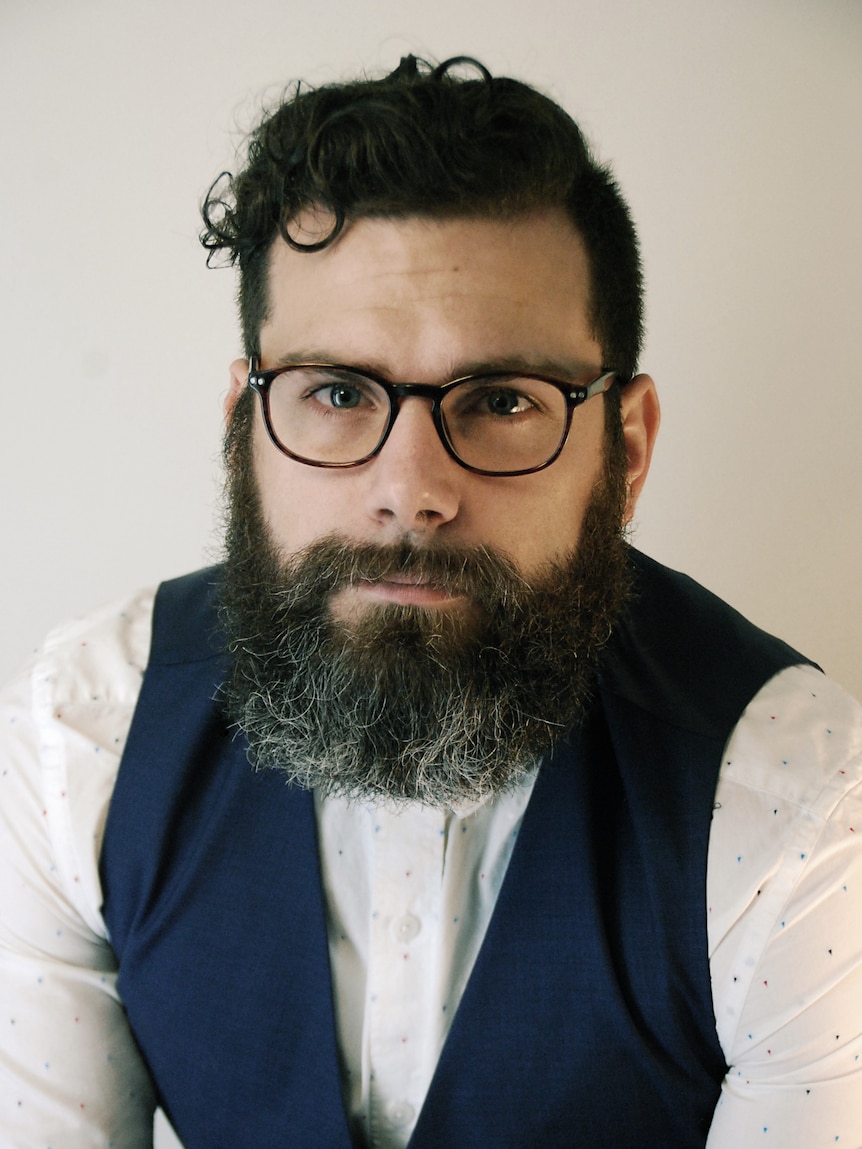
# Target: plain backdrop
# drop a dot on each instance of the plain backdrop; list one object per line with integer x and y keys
{"x": 735, "y": 128}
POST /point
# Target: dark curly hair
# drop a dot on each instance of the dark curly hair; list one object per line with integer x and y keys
{"x": 425, "y": 141}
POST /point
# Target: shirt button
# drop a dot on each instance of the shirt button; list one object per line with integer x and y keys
{"x": 400, "y": 1113}
{"x": 405, "y": 928}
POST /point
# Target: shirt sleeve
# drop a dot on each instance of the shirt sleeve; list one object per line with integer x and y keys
{"x": 70, "y": 1072}
{"x": 785, "y": 908}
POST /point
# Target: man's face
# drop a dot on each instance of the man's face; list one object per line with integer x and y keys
{"x": 407, "y": 629}
{"x": 423, "y": 301}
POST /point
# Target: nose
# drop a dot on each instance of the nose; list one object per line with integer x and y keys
{"x": 414, "y": 484}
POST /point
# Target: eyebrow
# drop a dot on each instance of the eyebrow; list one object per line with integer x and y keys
{"x": 566, "y": 369}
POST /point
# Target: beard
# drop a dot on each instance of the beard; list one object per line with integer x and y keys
{"x": 407, "y": 703}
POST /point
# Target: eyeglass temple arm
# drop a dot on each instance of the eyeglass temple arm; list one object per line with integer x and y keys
{"x": 597, "y": 387}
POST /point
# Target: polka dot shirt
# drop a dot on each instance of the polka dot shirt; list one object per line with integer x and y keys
{"x": 409, "y": 896}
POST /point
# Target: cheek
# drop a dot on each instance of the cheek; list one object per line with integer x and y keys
{"x": 541, "y": 521}
{"x": 300, "y": 504}
{"x": 284, "y": 500}
{"x": 541, "y": 530}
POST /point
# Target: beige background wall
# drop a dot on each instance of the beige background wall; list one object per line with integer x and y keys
{"x": 735, "y": 128}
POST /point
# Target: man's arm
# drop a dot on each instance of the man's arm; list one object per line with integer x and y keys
{"x": 786, "y": 922}
{"x": 71, "y": 1072}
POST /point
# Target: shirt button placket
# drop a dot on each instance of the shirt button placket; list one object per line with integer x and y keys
{"x": 408, "y": 868}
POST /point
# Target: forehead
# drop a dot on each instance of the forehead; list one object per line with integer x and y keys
{"x": 422, "y": 296}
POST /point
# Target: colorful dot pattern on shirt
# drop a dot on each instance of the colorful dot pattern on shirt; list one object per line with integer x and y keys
{"x": 782, "y": 853}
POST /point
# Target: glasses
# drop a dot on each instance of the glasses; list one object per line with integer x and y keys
{"x": 328, "y": 415}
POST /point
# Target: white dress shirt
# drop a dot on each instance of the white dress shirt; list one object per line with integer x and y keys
{"x": 409, "y": 896}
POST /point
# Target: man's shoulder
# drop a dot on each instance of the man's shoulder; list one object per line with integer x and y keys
{"x": 800, "y": 739}
{"x": 121, "y": 626}
{"x": 101, "y": 655}
{"x": 684, "y": 612}
{"x": 185, "y": 619}
{"x": 686, "y": 656}
{"x": 98, "y": 656}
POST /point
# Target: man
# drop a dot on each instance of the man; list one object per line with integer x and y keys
{"x": 544, "y": 844}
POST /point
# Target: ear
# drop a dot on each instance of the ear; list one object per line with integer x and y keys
{"x": 641, "y": 416}
{"x": 238, "y": 379}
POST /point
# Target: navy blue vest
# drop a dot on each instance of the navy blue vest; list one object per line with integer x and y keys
{"x": 588, "y": 1018}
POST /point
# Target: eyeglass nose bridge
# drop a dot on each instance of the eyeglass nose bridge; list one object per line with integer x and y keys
{"x": 433, "y": 391}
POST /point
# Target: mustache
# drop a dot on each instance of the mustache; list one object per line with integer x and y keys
{"x": 476, "y": 571}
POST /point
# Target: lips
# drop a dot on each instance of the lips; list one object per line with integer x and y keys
{"x": 407, "y": 590}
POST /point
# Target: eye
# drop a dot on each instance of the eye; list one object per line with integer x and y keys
{"x": 341, "y": 395}
{"x": 505, "y": 402}
{"x": 493, "y": 399}
{"x": 334, "y": 391}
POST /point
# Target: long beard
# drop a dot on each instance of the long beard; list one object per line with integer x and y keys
{"x": 410, "y": 703}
